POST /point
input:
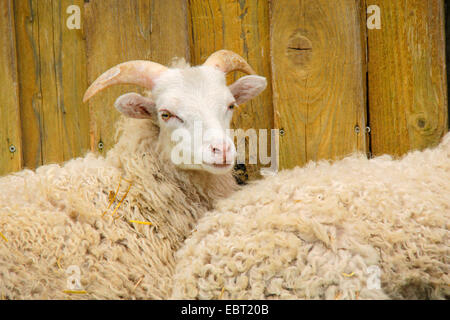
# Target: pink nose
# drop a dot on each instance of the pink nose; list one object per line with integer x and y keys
{"x": 220, "y": 150}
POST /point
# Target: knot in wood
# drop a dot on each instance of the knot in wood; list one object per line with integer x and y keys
{"x": 299, "y": 49}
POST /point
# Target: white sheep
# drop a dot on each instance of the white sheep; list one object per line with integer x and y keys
{"x": 354, "y": 229}
{"x": 67, "y": 233}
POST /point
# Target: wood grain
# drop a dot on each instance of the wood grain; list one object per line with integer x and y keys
{"x": 407, "y": 81}
{"x": 71, "y": 80}
{"x": 118, "y": 31}
{"x": 27, "y": 34}
{"x": 242, "y": 27}
{"x": 312, "y": 52}
{"x": 52, "y": 75}
{"x": 10, "y": 132}
{"x": 317, "y": 67}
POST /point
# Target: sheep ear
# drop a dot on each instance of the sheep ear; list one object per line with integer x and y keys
{"x": 134, "y": 105}
{"x": 247, "y": 88}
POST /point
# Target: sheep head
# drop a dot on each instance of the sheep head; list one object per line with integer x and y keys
{"x": 193, "y": 106}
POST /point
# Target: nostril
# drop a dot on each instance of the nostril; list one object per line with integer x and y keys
{"x": 215, "y": 149}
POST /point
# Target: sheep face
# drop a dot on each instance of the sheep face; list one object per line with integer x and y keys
{"x": 193, "y": 107}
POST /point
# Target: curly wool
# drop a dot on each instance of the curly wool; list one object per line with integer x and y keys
{"x": 52, "y": 219}
{"x": 318, "y": 232}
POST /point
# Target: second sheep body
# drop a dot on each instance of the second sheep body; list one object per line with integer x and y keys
{"x": 357, "y": 228}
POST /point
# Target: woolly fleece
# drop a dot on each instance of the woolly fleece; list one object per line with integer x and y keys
{"x": 52, "y": 219}
{"x": 313, "y": 233}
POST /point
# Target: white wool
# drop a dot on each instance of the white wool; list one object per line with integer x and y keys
{"x": 52, "y": 219}
{"x": 325, "y": 231}
{"x": 59, "y": 218}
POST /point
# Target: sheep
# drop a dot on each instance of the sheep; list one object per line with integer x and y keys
{"x": 107, "y": 227}
{"x": 352, "y": 229}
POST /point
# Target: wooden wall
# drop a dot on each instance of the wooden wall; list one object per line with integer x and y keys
{"x": 407, "y": 76}
{"x": 330, "y": 77}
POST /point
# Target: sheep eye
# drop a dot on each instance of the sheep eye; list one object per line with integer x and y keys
{"x": 231, "y": 106}
{"x": 165, "y": 115}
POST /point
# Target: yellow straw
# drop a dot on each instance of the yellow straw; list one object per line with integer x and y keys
{"x": 141, "y": 222}
{"x": 1, "y": 235}
{"x": 57, "y": 262}
{"x": 221, "y": 293}
{"x": 121, "y": 201}
{"x": 349, "y": 275}
{"x": 114, "y": 198}
{"x": 75, "y": 291}
{"x": 137, "y": 284}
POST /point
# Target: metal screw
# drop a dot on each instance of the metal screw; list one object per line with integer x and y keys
{"x": 282, "y": 132}
{"x": 12, "y": 148}
{"x": 100, "y": 145}
{"x": 368, "y": 129}
{"x": 357, "y": 129}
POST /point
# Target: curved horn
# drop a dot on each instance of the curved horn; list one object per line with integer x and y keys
{"x": 139, "y": 72}
{"x": 228, "y": 61}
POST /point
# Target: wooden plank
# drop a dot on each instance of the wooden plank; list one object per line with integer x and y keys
{"x": 407, "y": 81}
{"x": 169, "y": 35}
{"x": 27, "y": 33}
{"x": 10, "y": 133}
{"x": 317, "y": 68}
{"x": 51, "y": 139}
{"x": 52, "y": 82}
{"x": 71, "y": 80}
{"x": 242, "y": 27}
{"x": 447, "y": 50}
{"x": 362, "y": 113}
{"x": 118, "y": 31}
